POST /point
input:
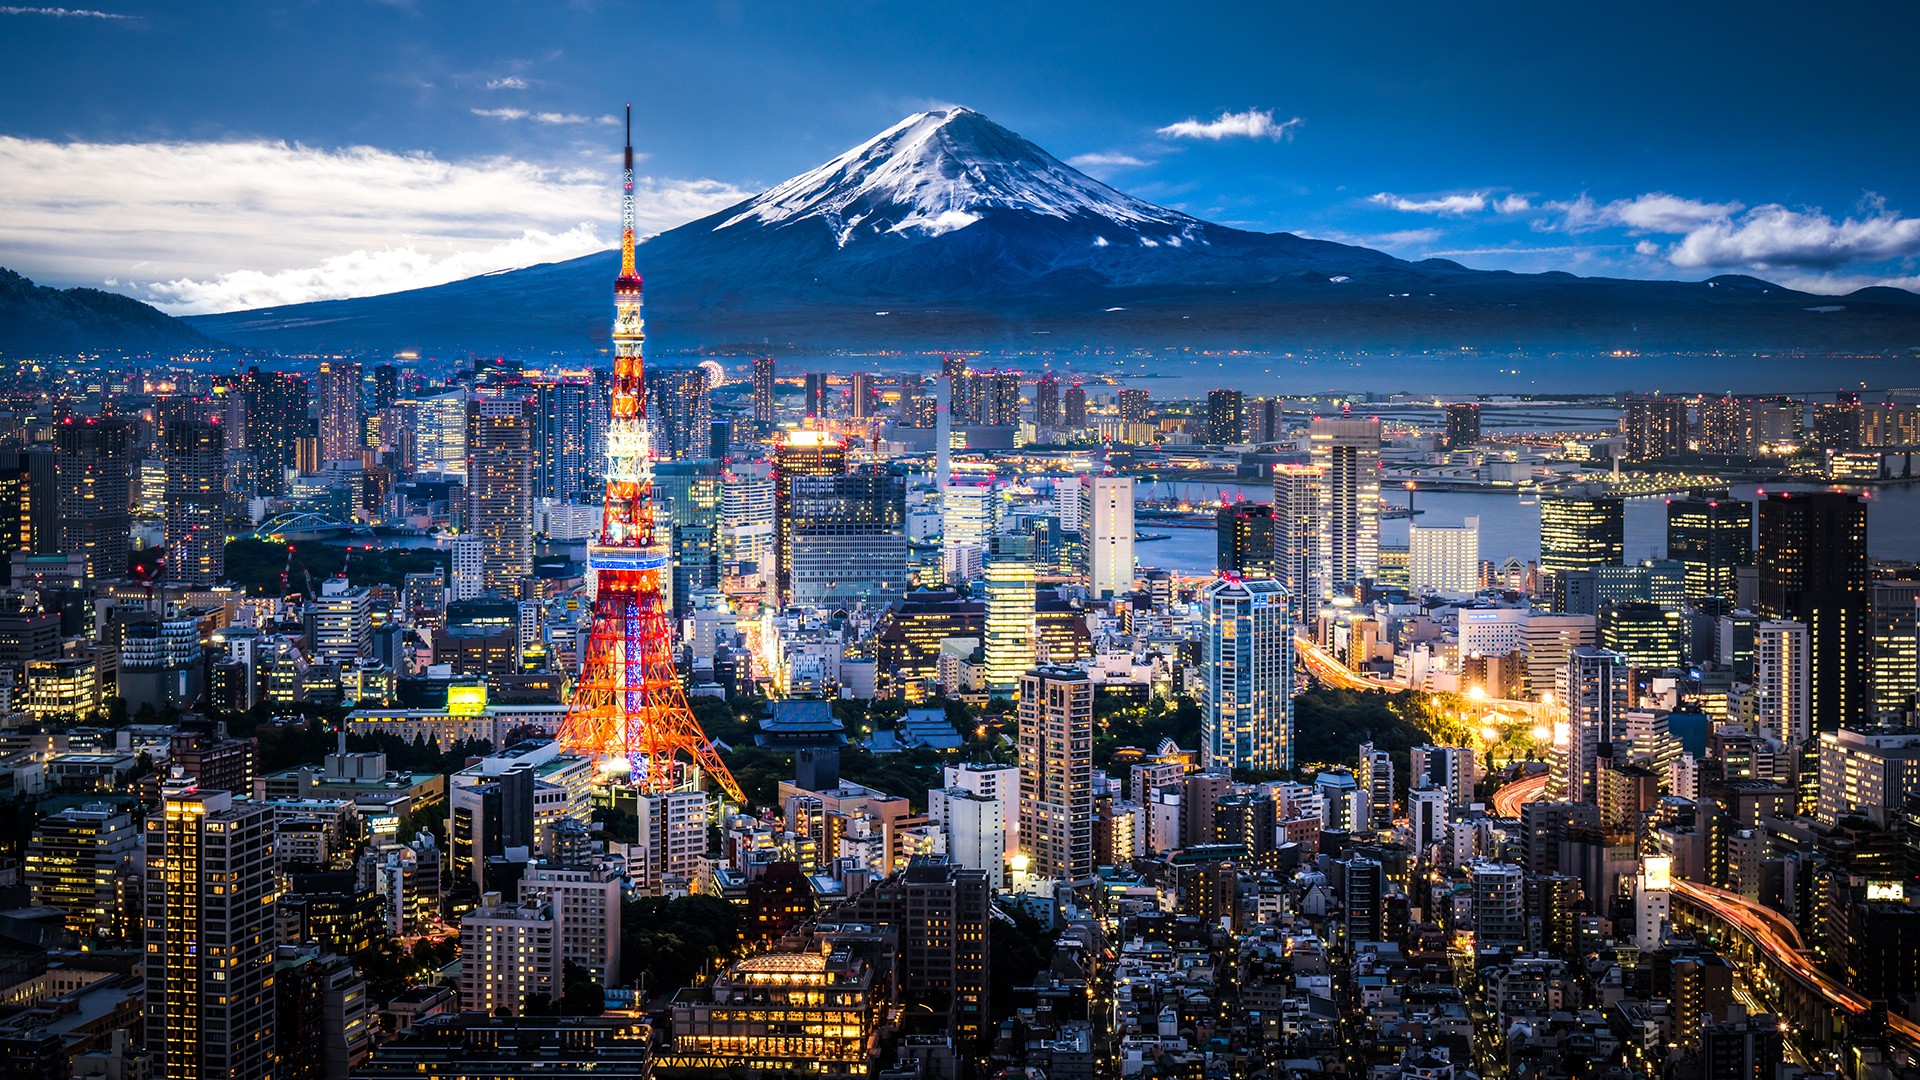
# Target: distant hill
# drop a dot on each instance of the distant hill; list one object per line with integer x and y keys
{"x": 949, "y": 231}
{"x": 38, "y": 321}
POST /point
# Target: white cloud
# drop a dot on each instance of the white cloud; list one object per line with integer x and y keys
{"x": 1514, "y": 204}
{"x": 1448, "y": 205}
{"x": 538, "y": 117}
{"x": 510, "y": 82}
{"x": 217, "y": 226}
{"x": 1106, "y": 161}
{"x": 66, "y": 13}
{"x": 1655, "y": 212}
{"x": 1252, "y": 124}
{"x": 1773, "y": 235}
{"x": 1405, "y": 238}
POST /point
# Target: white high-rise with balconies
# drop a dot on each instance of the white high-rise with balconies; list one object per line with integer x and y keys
{"x": 1106, "y": 528}
{"x": 1347, "y": 453}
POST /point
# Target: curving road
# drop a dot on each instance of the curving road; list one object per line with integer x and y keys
{"x": 1508, "y": 800}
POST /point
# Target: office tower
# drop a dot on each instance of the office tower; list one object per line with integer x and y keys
{"x": 801, "y": 453}
{"x": 1712, "y": 538}
{"x": 863, "y": 396}
{"x": 1347, "y": 453}
{"x": 1106, "y": 528}
{"x": 95, "y": 472}
{"x": 969, "y": 514}
{"x": 468, "y": 560}
{"x": 561, "y": 412}
{"x": 1009, "y": 644}
{"x": 1652, "y": 428}
{"x": 1056, "y": 773}
{"x": 1046, "y": 403}
{"x": 1650, "y": 636}
{"x": 500, "y": 490}
{"x": 1266, "y": 423}
{"x": 337, "y": 404}
{"x": 763, "y": 389}
{"x": 1462, "y": 425}
{"x": 976, "y": 831}
{"x": 340, "y": 622}
{"x": 1895, "y": 611}
{"x": 1444, "y": 559}
{"x": 1073, "y": 407}
{"x": 720, "y": 438}
{"x": 816, "y": 394}
{"x": 679, "y": 413}
{"x": 1578, "y": 532}
{"x": 1226, "y": 416}
{"x": 1245, "y": 541}
{"x": 440, "y": 435}
{"x": 195, "y": 503}
{"x": 1813, "y": 570}
{"x": 1000, "y": 783}
{"x": 1749, "y": 427}
{"x": 918, "y": 408}
{"x": 1782, "y": 682}
{"x": 16, "y": 511}
{"x": 1296, "y": 538}
{"x": 82, "y": 861}
{"x": 276, "y": 404}
{"x": 586, "y": 913}
{"x": 67, "y": 688}
{"x": 491, "y": 816}
{"x": 1870, "y": 773}
{"x": 1597, "y": 700}
{"x": 847, "y": 540}
{"x": 510, "y": 958}
{"x": 386, "y": 386}
{"x": 746, "y": 523}
{"x": 210, "y": 935}
{"x": 938, "y": 911}
{"x": 686, "y": 501}
{"x": 1246, "y": 702}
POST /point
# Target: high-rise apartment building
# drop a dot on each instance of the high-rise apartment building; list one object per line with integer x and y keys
{"x": 1134, "y": 405}
{"x": 1245, "y": 542}
{"x": 1597, "y": 701}
{"x": 1652, "y": 428}
{"x": 1296, "y": 538}
{"x": 510, "y": 957}
{"x": 1461, "y": 427}
{"x": 1056, "y": 774}
{"x": 763, "y": 389}
{"x": 210, "y": 907}
{"x": 1073, "y": 407}
{"x": 562, "y": 415}
{"x": 1749, "y": 427}
{"x": 1106, "y": 529}
{"x": 1347, "y": 453}
{"x": 1782, "y": 686}
{"x": 816, "y": 394}
{"x": 468, "y": 568}
{"x": 95, "y": 474}
{"x": 586, "y": 913}
{"x": 679, "y": 413}
{"x": 1712, "y": 538}
{"x": 337, "y": 401}
{"x": 863, "y": 395}
{"x": 340, "y": 622}
{"x": 195, "y": 503}
{"x": 500, "y": 490}
{"x": 1046, "y": 403}
{"x": 276, "y": 405}
{"x": 938, "y": 912}
{"x": 1246, "y": 702}
{"x": 1226, "y": 416}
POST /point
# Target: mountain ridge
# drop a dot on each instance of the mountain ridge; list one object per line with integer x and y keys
{"x": 947, "y": 230}
{"x": 39, "y": 320}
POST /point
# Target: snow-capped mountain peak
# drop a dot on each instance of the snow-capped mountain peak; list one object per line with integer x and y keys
{"x": 936, "y": 172}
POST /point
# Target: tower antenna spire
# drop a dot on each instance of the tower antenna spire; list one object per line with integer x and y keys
{"x": 627, "y": 269}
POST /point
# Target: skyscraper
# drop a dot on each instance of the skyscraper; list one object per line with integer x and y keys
{"x": 1246, "y": 644}
{"x": 1245, "y": 544}
{"x": 1896, "y": 646}
{"x": 1578, "y": 532}
{"x": 500, "y": 490}
{"x": 1782, "y": 682}
{"x": 386, "y": 386}
{"x": 1597, "y": 700}
{"x": 801, "y": 453}
{"x": 1106, "y": 526}
{"x": 679, "y": 413}
{"x": 763, "y": 385}
{"x": 195, "y": 503}
{"x": 1813, "y": 570}
{"x": 816, "y": 391}
{"x": 1296, "y": 538}
{"x": 686, "y": 498}
{"x": 1347, "y": 453}
{"x": 342, "y": 427}
{"x": 562, "y": 411}
{"x": 1226, "y": 416}
{"x": 95, "y": 469}
{"x": 1073, "y": 407}
{"x": 80, "y": 861}
{"x": 1056, "y": 773}
{"x": 1462, "y": 430}
{"x": 1652, "y": 428}
{"x": 276, "y": 414}
{"x": 863, "y": 397}
{"x": 1046, "y": 403}
{"x": 1711, "y": 538}
{"x": 1444, "y": 558}
{"x": 210, "y": 907}
{"x": 1134, "y": 405}
{"x": 1009, "y": 644}
{"x": 846, "y": 538}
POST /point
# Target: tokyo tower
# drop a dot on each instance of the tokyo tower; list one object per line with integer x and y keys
{"x": 628, "y": 712}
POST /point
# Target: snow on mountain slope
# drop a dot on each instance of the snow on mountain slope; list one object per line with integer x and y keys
{"x": 936, "y": 172}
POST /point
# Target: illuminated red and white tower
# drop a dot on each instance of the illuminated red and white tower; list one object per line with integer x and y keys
{"x": 627, "y": 705}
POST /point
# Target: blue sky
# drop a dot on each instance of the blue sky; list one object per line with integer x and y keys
{"x": 212, "y": 156}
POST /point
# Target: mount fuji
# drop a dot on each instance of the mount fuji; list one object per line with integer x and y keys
{"x": 948, "y": 230}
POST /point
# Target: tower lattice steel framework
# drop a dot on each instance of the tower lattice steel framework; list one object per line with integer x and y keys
{"x": 627, "y": 704}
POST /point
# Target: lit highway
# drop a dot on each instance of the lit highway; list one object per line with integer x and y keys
{"x": 1508, "y": 800}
